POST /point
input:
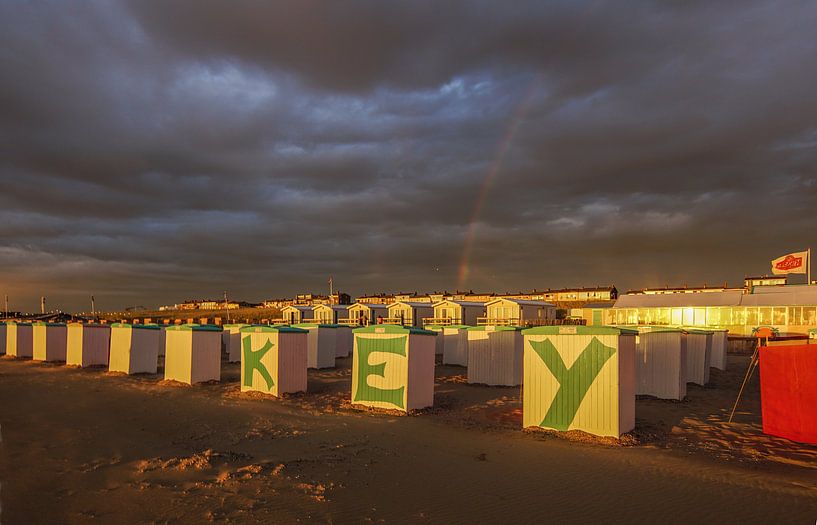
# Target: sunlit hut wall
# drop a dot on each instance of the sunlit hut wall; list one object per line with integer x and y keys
{"x": 393, "y": 367}
{"x": 457, "y": 312}
{"x": 19, "y": 339}
{"x": 409, "y": 313}
{"x": 363, "y": 314}
{"x": 295, "y": 314}
{"x": 517, "y": 312}
{"x": 134, "y": 348}
{"x": 3, "y": 338}
{"x": 193, "y": 353}
{"x": 495, "y": 355}
{"x": 320, "y": 344}
{"x": 88, "y": 344}
{"x": 791, "y": 308}
{"x": 660, "y": 362}
{"x": 231, "y": 339}
{"x": 273, "y": 359}
{"x": 580, "y": 378}
{"x": 49, "y": 340}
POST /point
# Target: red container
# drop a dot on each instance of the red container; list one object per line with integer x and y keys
{"x": 788, "y": 391}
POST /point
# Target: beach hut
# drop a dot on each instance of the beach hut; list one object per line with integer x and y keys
{"x": 495, "y": 355}
{"x": 788, "y": 392}
{"x": 49, "y": 341}
{"x": 273, "y": 359}
{"x": 330, "y": 313}
{"x": 193, "y": 353}
{"x": 406, "y": 313}
{"x": 451, "y": 312}
{"x": 344, "y": 340}
{"x": 579, "y": 377}
{"x": 19, "y": 340}
{"x": 295, "y": 314}
{"x": 393, "y": 367}
{"x": 2, "y": 338}
{"x": 134, "y": 348}
{"x": 88, "y": 344}
{"x": 720, "y": 342}
{"x": 699, "y": 352}
{"x": 660, "y": 362}
{"x": 231, "y": 339}
{"x": 517, "y": 312}
{"x": 321, "y": 341}
{"x": 455, "y": 344}
{"x": 364, "y": 314}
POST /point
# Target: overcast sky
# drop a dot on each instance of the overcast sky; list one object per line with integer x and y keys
{"x": 158, "y": 151}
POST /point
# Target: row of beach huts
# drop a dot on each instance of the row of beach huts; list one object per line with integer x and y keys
{"x": 572, "y": 377}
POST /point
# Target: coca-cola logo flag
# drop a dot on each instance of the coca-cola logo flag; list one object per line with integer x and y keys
{"x": 790, "y": 263}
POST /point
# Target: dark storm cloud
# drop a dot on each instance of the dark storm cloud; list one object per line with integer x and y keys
{"x": 154, "y": 151}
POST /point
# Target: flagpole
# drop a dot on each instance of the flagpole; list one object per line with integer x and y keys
{"x": 808, "y": 265}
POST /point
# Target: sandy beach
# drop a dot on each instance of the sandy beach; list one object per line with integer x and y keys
{"x": 87, "y": 446}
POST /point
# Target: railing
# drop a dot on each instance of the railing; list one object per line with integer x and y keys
{"x": 440, "y": 321}
{"x": 515, "y": 321}
{"x": 493, "y": 321}
{"x": 404, "y": 321}
{"x": 352, "y": 322}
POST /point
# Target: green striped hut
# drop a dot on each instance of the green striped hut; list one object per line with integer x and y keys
{"x": 579, "y": 377}
{"x": 393, "y": 367}
{"x": 273, "y": 359}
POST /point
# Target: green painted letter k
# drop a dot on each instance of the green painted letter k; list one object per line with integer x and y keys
{"x": 252, "y": 361}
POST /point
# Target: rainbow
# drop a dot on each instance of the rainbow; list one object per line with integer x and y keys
{"x": 504, "y": 145}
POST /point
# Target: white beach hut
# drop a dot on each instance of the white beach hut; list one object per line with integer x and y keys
{"x": 517, "y": 312}
{"x": 193, "y": 353}
{"x": 393, "y": 367}
{"x": 495, "y": 355}
{"x": 19, "y": 339}
{"x": 134, "y": 348}
{"x": 49, "y": 341}
{"x": 321, "y": 344}
{"x": 579, "y": 377}
{"x": 455, "y": 344}
{"x": 720, "y": 342}
{"x": 231, "y": 340}
{"x": 296, "y": 314}
{"x": 406, "y": 313}
{"x": 660, "y": 363}
{"x": 451, "y": 312}
{"x": 88, "y": 344}
{"x": 364, "y": 314}
{"x": 699, "y": 355}
{"x": 273, "y": 359}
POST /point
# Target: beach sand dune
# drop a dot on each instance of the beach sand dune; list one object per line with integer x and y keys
{"x": 84, "y": 446}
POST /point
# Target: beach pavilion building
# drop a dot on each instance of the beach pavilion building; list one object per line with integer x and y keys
{"x": 790, "y": 309}
{"x": 406, "y": 313}
{"x": 330, "y": 313}
{"x": 517, "y": 312}
{"x": 364, "y": 314}
{"x": 294, "y": 314}
{"x": 450, "y": 312}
